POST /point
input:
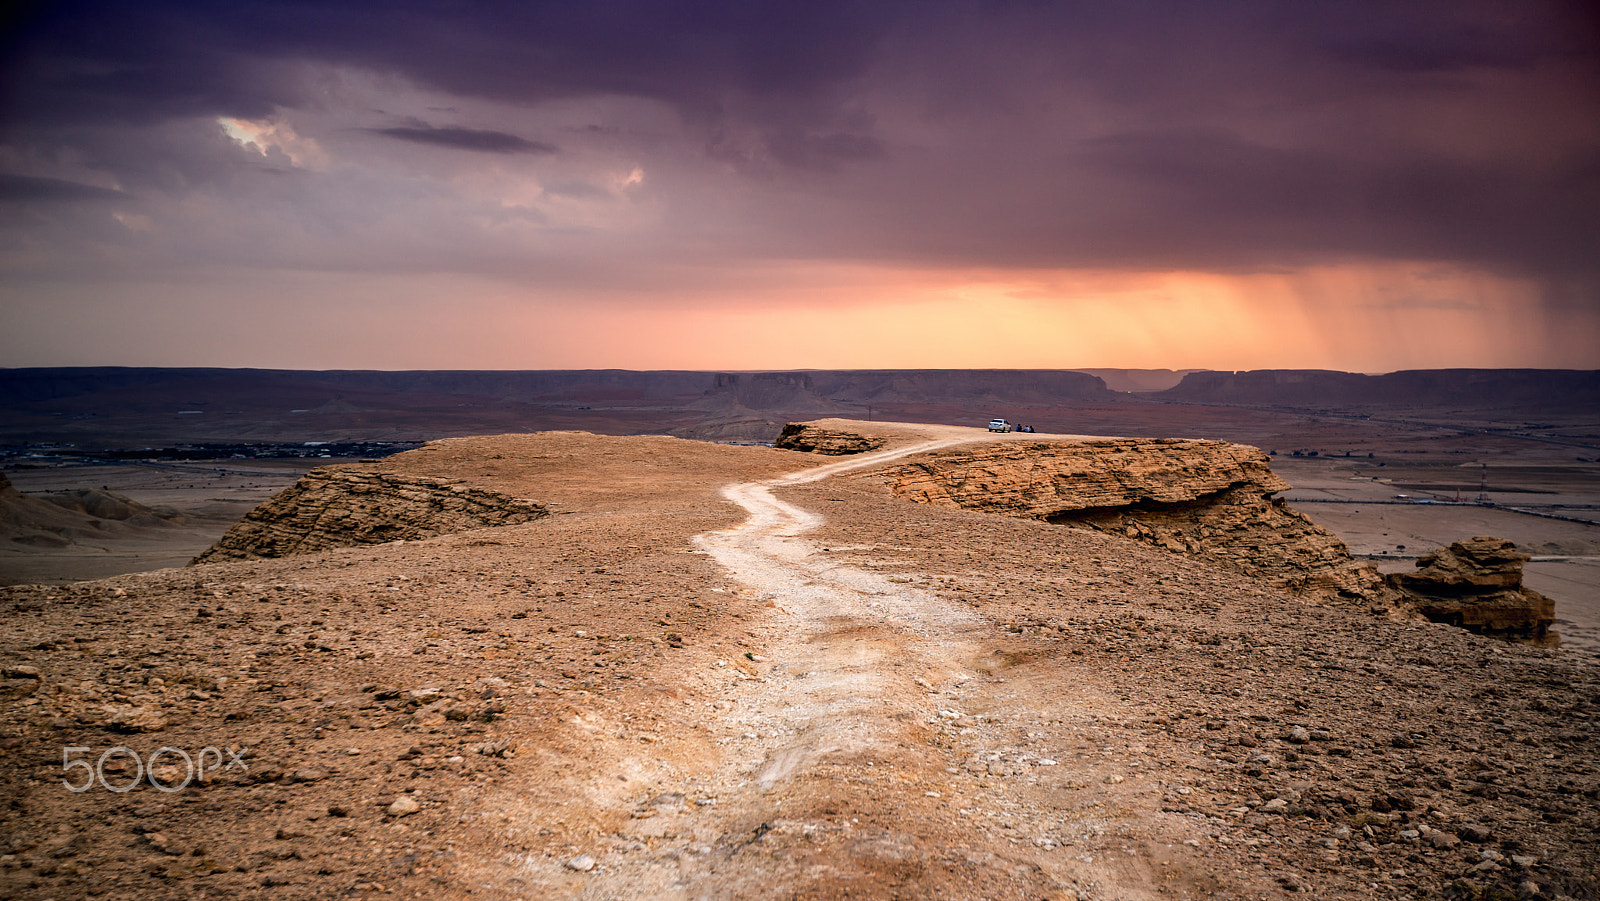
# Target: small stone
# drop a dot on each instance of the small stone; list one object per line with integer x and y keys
{"x": 1276, "y": 805}
{"x": 22, "y": 671}
{"x": 1297, "y": 736}
{"x": 583, "y": 863}
{"x": 1443, "y": 840}
{"x": 168, "y": 774}
{"x": 308, "y": 774}
{"x": 1475, "y": 832}
{"x": 404, "y": 806}
{"x": 134, "y": 719}
{"x": 500, "y": 747}
{"x": 1114, "y": 779}
{"x": 336, "y": 810}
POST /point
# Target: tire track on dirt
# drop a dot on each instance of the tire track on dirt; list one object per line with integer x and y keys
{"x": 835, "y": 736}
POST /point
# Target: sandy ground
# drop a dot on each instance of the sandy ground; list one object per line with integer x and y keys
{"x": 655, "y": 692}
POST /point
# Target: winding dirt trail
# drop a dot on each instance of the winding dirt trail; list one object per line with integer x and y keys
{"x": 853, "y": 759}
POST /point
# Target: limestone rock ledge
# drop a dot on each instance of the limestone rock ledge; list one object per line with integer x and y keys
{"x": 342, "y": 507}
{"x": 814, "y": 439}
{"x": 1477, "y": 585}
{"x": 1207, "y": 499}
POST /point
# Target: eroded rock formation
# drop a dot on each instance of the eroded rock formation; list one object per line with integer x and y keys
{"x": 340, "y": 507}
{"x": 61, "y": 519}
{"x": 1477, "y": 585}
{"x": 811, "y": 438}
{"x": 1207, "y": 499}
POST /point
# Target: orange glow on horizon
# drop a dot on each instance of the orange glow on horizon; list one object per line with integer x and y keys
{"x": 1358, "y": 317}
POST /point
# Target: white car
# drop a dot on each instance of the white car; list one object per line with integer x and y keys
{"x": 999, "y": 425}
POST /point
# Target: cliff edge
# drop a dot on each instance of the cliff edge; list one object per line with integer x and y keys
{"x": 1207, "y": 499}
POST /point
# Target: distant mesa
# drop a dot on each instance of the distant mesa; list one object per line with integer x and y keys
{"x": 109, "y": 407}
{"x": 1139, "y": 381}
{"x": 1482, "y": 389}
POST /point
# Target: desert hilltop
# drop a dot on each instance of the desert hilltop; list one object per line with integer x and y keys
{"x": 882, "y": 660}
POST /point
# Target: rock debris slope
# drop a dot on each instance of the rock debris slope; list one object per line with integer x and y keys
{"x": 342, "y": 507}
{"x": 1207, "y": 499}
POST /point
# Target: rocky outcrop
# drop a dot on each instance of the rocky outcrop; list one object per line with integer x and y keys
{"x": 1207, "y": 499}
{"x": 1477, "y": 585}
{"x": 814, "y": 439}
{"x": 340, "y": 507}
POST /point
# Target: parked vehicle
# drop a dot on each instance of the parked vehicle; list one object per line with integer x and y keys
{"x": 999, "y": 425}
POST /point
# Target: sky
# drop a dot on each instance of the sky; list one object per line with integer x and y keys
{"x": 1239, "y": 184}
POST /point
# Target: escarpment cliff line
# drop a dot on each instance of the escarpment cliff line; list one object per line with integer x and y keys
{"x": 1207, "y": 499}
{"x": 336, "y": 506}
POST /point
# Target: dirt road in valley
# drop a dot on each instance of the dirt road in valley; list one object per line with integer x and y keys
{"x": 852, "y": 759}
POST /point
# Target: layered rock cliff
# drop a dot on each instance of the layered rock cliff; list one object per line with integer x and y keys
{"x": 342, "y": 507}
{"x": 1477, "y": 585}
{"x": 1207, "y": 499}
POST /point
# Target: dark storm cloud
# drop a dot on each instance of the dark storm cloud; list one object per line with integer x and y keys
{"x": 1427, "y": 37}
{"x": 145, "y": 61}
{"x": 22, "y": 188}
{"x": 1158, "y": 133}
{"x": 1295, "y": 200}
{"x": 824, "y": 152}
{"x": 465, "y": 139}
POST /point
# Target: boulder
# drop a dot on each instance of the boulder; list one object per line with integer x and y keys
{"x": 813, "y": 439}
{"x": 1477, "y": 585}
